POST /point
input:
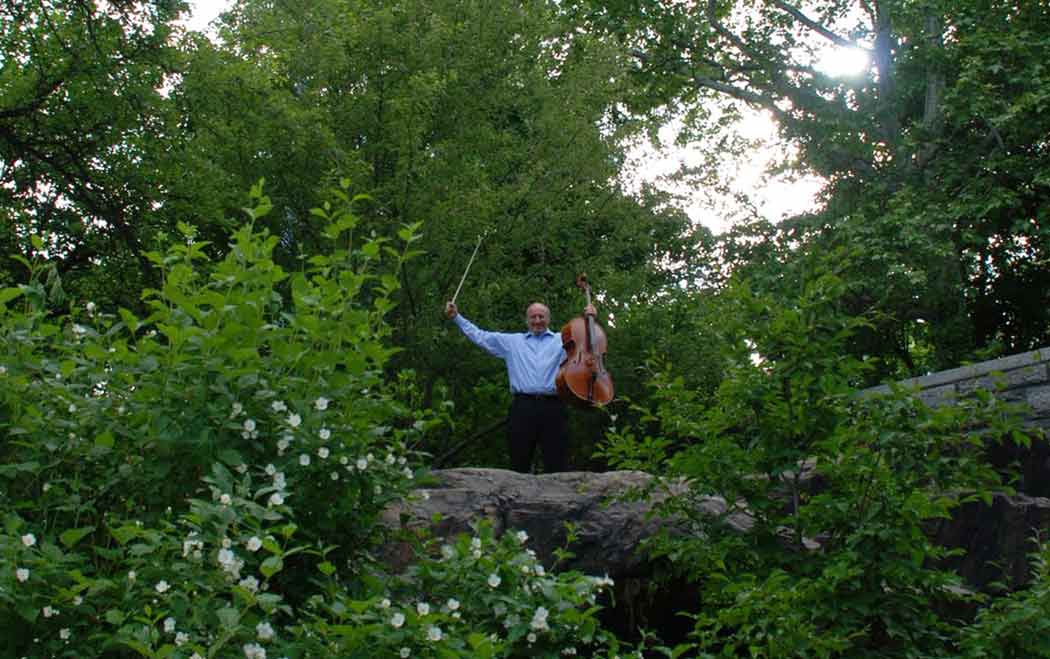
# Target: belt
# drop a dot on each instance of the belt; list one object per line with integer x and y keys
{"x": 537, "y": 396}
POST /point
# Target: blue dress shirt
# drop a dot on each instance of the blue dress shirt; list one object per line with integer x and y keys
{"x": 532, "y": 360}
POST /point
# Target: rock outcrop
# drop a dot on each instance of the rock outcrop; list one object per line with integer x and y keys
{"x": 608, "y": 529}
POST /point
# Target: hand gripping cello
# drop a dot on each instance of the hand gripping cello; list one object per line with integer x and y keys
{"x": 582, "y": 378}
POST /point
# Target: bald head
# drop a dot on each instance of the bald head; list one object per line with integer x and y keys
{"x": 538, "y": 317}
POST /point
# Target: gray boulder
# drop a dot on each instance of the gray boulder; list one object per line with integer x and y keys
{"x": 609, "y": 529}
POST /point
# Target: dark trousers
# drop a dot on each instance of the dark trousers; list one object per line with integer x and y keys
{"x": 541, "y": 421}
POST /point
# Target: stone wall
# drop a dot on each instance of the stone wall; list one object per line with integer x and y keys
{"x": 998, "y": 538}
{"x": 1023, "y": 378}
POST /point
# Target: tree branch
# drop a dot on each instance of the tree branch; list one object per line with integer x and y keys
{"x": 797, "y": 14}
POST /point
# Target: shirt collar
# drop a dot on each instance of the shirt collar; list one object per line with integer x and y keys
{"x": 529, "y": 335}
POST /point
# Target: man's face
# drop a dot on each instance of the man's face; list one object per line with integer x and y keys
{"x": 538, "y": 318}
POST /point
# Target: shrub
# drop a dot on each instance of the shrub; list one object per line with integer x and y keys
{"x": 207, "y": 480}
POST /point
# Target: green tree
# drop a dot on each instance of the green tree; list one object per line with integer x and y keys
{"x": 489, "y": 119}
{"x": 937, "y": 208}
{"x": 83, "y": 121}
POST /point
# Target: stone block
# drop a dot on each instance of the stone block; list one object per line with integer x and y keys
{"x": 1018, "y": 377}
{"x": 1038, "y": 398}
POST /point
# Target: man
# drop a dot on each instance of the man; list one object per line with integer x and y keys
{"x": 537, "y": 416}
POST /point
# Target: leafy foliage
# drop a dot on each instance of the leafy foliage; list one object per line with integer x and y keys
{"x": 837, "y": 491}
{"x": 208, "y": 479}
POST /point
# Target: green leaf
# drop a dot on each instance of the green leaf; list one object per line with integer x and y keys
{"x": 268, "y": 601}
{"x": 230, "y": 457}
{"x": 8, "y": 294}
{"x": 126, "y": 533}
{"x": 71, "y": 537}
{"x": 228, "y": 618}
{"x": 104, "y": 440}
{"x": 271, "y": 566}
{"x": 326, "y": 568}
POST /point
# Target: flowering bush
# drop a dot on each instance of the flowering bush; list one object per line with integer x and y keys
{"x": 207, "y": 480}
{"x": 478, "y": 596}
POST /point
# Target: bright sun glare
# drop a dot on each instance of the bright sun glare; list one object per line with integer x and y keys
{"x": 843, "y": 62}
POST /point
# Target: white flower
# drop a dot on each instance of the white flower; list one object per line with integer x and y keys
{"x": 276, "y": 499}
{"x": 434, "y": 633}
{"x": 476, "y": 553}
{"x": 251, "y": 584}
{"x": 236, "y": 410}
{"x": 282, "y": 444}
{"x": 270, "y": 470}
{"x": 475, "y": 543}
{"x": 182, "y": 638}
{"x": 72, "y": 408}
{"x": 64, "y": 633}
{"x": 3, "y": 370}
{"x": 169, "y": 624}
{"x": 196, "y": 655}
{"x": 494, "y": 580}
{"x": 408, "y": 473}
{"x": 453, "y": 604}
{"x": 324, "y": 434}
{"x": 384, "y": 604}
{"x": 522, "y": 536}
{"x": 48, "y": 611}
{"x": 249, "y": 425}
{"x": 254, "y": 651}
{"x": 304, "y": 460}
{"x": 322, "y": 452}
{"x": 335, "y": 475}
{"x": 531, "y": 638}
{"x": 539, "y": 619}
{"x": 253, "y": 544}
{"x": 423, "y": 608}
{"x": 448, "y": 551}
{"x": 225, "y": 499}
{"x": 264, "y": 631}
{"x": 362, "y": 464}
{"x": 404, "y": 653}
{"x": 278, "y": 480}
{"x": 321, "y": 404}
{"x": 390, "y": 459}
{"x": 278, "y": 406}
{"x": 131, "y": 575}
{"x": 378, "y": 489}
{"x": 226, "y": 543}
{"x": 162, "y": 586}
{"x": 78, "y": 600}
{"x": 29, "y": 540}
{"x": 539, "y": 570}
{"x": 397, "y": 620}
{"x": 294, "y": 420}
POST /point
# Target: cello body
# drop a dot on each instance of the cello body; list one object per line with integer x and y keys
{"x": 582, "y": 378}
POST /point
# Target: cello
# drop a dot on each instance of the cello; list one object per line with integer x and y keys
{"x": 582, "y": 378}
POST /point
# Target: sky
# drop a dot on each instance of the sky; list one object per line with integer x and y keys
{"x": 202, "y": 12}
{"x": 775, "y": 197}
